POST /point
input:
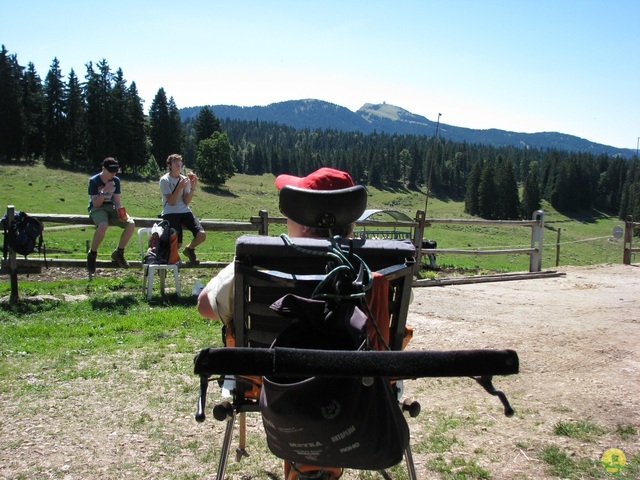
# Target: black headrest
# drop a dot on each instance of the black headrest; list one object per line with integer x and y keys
{"x": 323, "y": 208}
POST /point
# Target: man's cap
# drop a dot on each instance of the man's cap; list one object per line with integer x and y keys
{"x": 111, "y": 164}
{"x": 324, "y": 178}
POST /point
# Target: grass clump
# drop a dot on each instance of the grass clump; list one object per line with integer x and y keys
{"x": 580, "y": 430}
{"x": 457, "y": 468}
{"x": 561, "y": 465}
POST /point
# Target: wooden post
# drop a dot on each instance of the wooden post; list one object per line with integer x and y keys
{"x": 264, "y": 229}
{"x": 418, "y": 236}
{"x": 558, "y": 248}
{"x": 628, "y": 235}
{"x": 535, "y": 260}
{"x": 13, "y": 261}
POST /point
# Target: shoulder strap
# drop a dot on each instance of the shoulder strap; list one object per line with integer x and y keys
{"x": 180, "y": 177}
{"x": 164, "y": 199}
{"x": 5, "y": 226}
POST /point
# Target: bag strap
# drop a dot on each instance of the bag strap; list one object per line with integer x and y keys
{"x": 180, "y": 177}
{"x": 5, "y": 225}
{"x": 164, "y": 199}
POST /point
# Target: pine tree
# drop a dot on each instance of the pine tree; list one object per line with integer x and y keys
{"x": 507, "y": 200}
{"x": 55, "y": 104}
{"x": 136, "y": 151}
{"x": 487, "y": 191}
{"x": 160, "y": 128}
{"x": 473, "y": 184}
{"x": 175, "y": 128}
{"x": 33, "y": 107}
{"x": 11, "y": 109}
{"x": 206, "y": 123}
{"x": 76, "y": 123}
{"x": 531, "y": 199}
{"x": 119, "y": 123}
{"x": 97, "y": 91}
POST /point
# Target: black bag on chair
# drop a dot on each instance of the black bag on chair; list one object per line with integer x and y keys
{"x": 338, "y": 422}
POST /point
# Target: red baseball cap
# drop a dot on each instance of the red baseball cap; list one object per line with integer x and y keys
{"x": 324, "y": 178}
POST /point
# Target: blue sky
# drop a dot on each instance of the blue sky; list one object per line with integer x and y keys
{"x": 571, "y": 66}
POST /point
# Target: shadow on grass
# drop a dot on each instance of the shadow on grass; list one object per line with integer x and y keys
{"x": 586, "y": 216}
{"x": 122, "y": 303}
{"x": 220, "y": 192}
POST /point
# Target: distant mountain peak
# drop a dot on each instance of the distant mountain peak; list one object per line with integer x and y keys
{"x": 371, "y": 111}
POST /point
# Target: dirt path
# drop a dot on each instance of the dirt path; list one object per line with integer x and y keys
{"x": 578, "y": 340}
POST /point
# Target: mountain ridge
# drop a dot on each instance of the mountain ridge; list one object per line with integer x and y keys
{"x": 391, "y": 119}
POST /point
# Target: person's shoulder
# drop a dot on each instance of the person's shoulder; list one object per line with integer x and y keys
{"x": 93, "y": 178}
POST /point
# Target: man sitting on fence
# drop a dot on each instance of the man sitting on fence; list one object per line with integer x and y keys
{"x": 106, "y": 209}
{"x": 177, "y": 193}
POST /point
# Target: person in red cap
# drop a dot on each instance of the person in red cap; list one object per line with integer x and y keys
{"x": 215, "y": 301}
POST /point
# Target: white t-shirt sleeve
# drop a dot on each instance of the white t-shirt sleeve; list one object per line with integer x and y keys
{"x": 220, "y": 293}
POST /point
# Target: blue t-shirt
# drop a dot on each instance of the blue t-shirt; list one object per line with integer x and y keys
{"x": 96, "y": 184}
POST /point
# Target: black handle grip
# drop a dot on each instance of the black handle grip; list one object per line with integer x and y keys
{"x": 282, "y": 361}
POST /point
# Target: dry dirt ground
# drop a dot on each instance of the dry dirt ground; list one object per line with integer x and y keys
{"x": 577, "y": 336}
{"x": 578, "y": 340}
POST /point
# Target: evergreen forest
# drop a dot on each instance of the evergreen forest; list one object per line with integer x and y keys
{"x": 72, "y": 122}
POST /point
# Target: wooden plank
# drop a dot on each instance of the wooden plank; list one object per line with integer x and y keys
{"x": 215, "y": 225}
{"x": 477, "y": 252}
{"x": 485, "y": 278}
{"x": 38, "y": 263}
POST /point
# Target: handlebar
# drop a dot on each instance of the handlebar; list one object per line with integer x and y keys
{"x": 281, "y": 361}
{"x": 480, "y": 365}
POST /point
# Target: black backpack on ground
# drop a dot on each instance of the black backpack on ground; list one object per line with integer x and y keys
{"x": 24, "y": 235}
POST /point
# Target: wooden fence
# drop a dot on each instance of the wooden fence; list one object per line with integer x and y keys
{"x": 260, "y": 225}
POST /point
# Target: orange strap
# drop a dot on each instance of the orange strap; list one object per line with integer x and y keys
{"x": 378, "y": 300}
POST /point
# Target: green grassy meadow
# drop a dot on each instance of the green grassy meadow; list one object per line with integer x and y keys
{"x": 585, "y": 237}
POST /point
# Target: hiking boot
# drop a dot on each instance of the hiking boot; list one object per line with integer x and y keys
{"x": 91, "y": 262}
{"x": 118, "y": 257}
{"x": 190, "y": 253}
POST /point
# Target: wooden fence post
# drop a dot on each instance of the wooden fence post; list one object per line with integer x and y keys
{"x": 628, "y": 236}
{"x": 13, "y": 261}
{"x": 264, "y": 228}
{"x": 535, "y": 260}
{"x": 418, "y": 236}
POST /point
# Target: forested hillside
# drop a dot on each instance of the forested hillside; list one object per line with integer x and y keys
{"x": 487, "y": 177}
{"x": 72, "y": 124}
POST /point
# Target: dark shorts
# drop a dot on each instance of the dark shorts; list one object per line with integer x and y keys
{"x": 187, "y": 220}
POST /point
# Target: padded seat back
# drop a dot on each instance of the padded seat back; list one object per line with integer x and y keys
{"x": 267, "y": 269}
